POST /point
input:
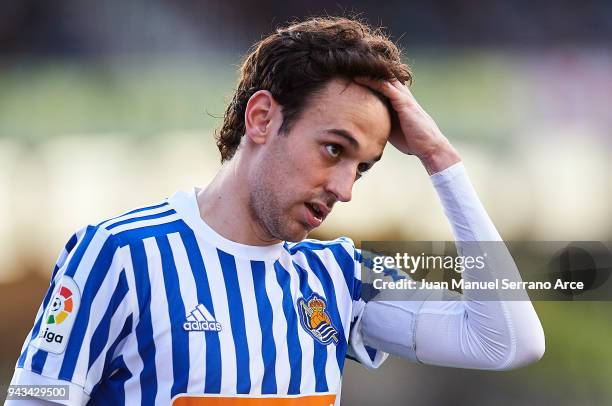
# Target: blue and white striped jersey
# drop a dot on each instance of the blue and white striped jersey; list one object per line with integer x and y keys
{"x": 154, "y": 304}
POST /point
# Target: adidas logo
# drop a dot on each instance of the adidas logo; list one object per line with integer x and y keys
{"x": 200, "y": 319}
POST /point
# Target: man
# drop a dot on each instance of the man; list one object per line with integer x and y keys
{"x": 215, "y": 296}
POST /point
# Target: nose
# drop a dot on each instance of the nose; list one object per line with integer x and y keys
{"x": 340, "y": 184}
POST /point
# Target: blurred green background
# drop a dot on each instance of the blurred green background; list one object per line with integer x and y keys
{"x": 108, "y": 106}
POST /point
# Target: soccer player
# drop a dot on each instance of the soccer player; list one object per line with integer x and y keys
{"x": 214, "y": 296}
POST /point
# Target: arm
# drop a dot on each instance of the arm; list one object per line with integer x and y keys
{"x": 468, "y": 333}
{"x": 84, "y": 316}
{"x": 465, "y": 332}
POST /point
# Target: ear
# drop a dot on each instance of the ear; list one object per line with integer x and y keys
{"x": 259, "y": 116}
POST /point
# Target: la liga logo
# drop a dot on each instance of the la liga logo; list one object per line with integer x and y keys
{"x": 61, "y": 306}
{"x": 59, "y": 316}
{"x": 59, "y": 310}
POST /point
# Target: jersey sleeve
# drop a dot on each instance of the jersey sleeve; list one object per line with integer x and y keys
{"x": 358, "y": 350}
{"x": 85, "y": 316}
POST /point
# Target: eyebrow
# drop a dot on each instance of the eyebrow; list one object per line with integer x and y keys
{"x": 351, "y": 140}
{"x": 346, "y": 135}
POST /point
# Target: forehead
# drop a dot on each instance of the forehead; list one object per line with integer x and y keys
{"x": 343, "y": 104}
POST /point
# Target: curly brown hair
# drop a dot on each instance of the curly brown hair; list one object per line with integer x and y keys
{"x": 299, "y": 59}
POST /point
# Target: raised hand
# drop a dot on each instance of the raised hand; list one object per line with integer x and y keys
{"x": 414, "y": 132}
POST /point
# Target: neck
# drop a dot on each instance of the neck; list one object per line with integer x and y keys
{"x": 224, "y": 206}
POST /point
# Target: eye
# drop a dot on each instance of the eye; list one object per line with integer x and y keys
{"x": 363, "y": 168}
{"x": 334, "y": 150}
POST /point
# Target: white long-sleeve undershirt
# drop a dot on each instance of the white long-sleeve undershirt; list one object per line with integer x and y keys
{"x": 465, "y": 332}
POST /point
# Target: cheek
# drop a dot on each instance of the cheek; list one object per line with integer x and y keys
{"x": 311, "y": 166}
{"x": 298, "y": 162}
{"x": 299, "y": 170}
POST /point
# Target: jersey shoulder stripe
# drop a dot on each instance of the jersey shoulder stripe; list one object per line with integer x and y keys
{"x": 343, "y": 252}
{"x": 163, "y": 205}
{"x": 313, "y": 244}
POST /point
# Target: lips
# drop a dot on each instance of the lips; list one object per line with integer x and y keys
{"x": 316, "y": 213}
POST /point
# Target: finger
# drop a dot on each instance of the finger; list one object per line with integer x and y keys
{"x": 381, "y": 86}
{"x": 397, "y": 84}
{"x": 377, "y": 85}
{"x": 402, "y": 87}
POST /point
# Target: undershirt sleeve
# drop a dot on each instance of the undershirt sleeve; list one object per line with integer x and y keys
{"x": 459, "y": 330}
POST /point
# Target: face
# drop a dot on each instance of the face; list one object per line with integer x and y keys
{"x": 297, "y": 177}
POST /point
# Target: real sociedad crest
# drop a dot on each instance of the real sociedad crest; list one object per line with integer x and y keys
{"x": 315, "y": 319}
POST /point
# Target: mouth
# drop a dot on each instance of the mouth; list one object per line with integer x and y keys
{"x": 315, "y": 213}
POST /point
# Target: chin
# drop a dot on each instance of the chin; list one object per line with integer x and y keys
{"x": 293, "y": 234}
{"x": 294, "y": 237}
